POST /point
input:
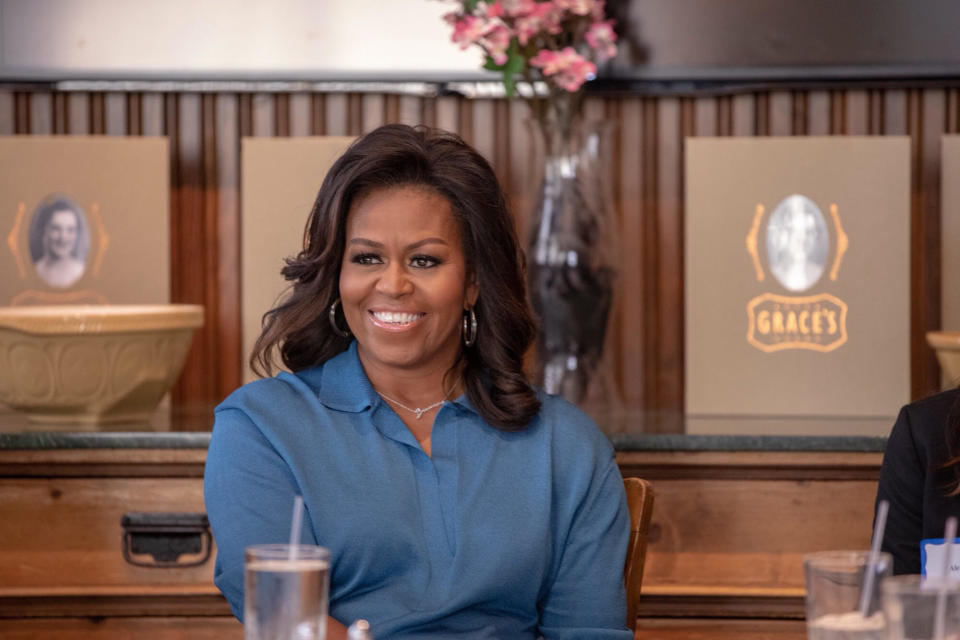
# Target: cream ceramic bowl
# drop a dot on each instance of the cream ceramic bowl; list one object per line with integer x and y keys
{"x": 92, "y": 364}
{"x": 947, "y": 346}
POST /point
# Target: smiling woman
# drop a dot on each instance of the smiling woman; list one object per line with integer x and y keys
{"x": 58, "y": 241}
{"x": 455, "y": 499}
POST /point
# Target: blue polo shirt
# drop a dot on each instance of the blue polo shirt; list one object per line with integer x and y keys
{"x": 498, "y": 535}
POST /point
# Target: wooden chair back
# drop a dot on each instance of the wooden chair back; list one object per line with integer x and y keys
{"x": 640, "y": 503}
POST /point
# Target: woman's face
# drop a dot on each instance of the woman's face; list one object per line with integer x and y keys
{"x": 60, "y": 234}
{"x": 403, "y": 280}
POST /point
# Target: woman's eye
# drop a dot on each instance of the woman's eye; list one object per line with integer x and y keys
{"x": 366, "y": 258}
{"x": 424, "y": 262}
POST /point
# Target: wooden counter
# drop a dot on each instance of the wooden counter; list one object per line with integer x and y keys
{"x": 729, "y": 530}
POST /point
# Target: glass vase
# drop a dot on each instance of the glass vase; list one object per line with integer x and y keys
{"x": 572, "y": 258}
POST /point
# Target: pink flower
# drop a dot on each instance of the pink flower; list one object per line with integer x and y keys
{"x": 597, "y": 12}
{"x": 543, "y": 16}
{"x": 518, "y": 7}
{"x": 495, "y": 10}
{"x": 467, "y": 30}
{"x": 568, "y": 68}
{"x": 602, "y": 38}
{"x": 496, "y": 43}
{"x": 577, "y": 7}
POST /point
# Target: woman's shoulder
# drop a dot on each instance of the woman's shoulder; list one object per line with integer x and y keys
{"x": 270, "y": 394}
{"x": 922, "y": 424}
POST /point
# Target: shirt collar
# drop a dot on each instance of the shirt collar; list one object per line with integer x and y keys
{"x": 344, "y": 385}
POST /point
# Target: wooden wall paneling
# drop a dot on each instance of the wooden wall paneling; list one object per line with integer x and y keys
{"x": 78, "y": 113}
{"x": 953, "y": 111}
{"x": 59, "y": 113}
{"x": 838, "y": 112}
{"x": 300, "y": 117}
{"x": 97, "y": 113}
{"x": 336, "y": 114}
{"x": 781, "y": 113}
{"x": 914, "y": 124}
{"x": 650, "y": 144}
{"x": 281, "y": 114}
{"x": 857, "y": 113}
{"x": 743, "y": 122}
{"x": 229, "y": 286}
{"x": 21, "y": 113}
{"x": 428, "y": 112}
{"x": 798, "y": 113}
{"x": 134, "y": 114}
{"x": 151, "y": 114}
{"x": 372, "y": 111}
{"x": 6, "y": 113}
{"x": 193, "y": 235}
{"x": 761, "y": 113}
{"x": 115, "y": 114}
{"x": 409, "y": 110}
{"x": 632, "y": 319}
{"x": 263, "y": 112}
{"x": 724, "y": 106}
{"x": 318, "y": 114}
{"x": 500, "y": 134}
{"x": 927, "y": 295}
{"x": 482, "y": 125}
{"x": 669, "y": 292}
{"x": 525, "y": 167}
{"x": 354, "y": 114}
{"x": 41, "y": 113}
{"x": 453, "y": 114}
{"x": 818, "y": 113}
{"x": 391, "y": 108}
{"x": 705, "y": 116}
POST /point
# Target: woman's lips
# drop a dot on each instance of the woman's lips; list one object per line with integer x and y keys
{"x": 395, "y": 320}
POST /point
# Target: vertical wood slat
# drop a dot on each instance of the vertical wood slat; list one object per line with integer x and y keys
{"x": 205, "y": 132}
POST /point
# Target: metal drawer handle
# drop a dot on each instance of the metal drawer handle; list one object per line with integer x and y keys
{"x": 165, "y": 537}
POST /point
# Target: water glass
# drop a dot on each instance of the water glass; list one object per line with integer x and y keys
{"x": 286, "y": 592}
{"x": 835, "y": 581}
{"x": 910, "y": 605}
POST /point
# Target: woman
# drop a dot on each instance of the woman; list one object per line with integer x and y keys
{"x": 920, "y": 477}
{"x": 455, "y": 500}
{"x": 58, "y": 258}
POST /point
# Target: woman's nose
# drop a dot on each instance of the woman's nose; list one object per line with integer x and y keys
{"x": 394, "y": 280}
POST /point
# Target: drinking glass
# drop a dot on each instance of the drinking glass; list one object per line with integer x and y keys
{"x": 910, "y": 605}
{"x": 835, "y": 581}
{"x": 286, "y": 592}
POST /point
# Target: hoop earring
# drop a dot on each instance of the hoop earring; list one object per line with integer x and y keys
{"x": 333, "y": 320}
{"x": 469, "y": 327}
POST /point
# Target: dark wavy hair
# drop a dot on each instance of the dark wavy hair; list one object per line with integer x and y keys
{"x": 399, "y": 155}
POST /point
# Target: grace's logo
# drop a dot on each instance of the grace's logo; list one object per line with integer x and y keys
{"x": 797, "y": 247}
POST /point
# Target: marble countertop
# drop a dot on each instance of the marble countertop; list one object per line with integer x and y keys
{"x": 628, "y": 431}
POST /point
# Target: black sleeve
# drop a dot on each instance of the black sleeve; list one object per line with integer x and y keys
{"x": 901, "y": 483}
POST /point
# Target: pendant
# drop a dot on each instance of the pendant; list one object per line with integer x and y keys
{"x": 419, "y": 412}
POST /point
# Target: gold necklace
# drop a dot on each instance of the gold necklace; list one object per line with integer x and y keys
{"x": 417, "y": 410}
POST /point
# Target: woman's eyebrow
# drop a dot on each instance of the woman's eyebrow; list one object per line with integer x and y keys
{"x": 416, "y": 245}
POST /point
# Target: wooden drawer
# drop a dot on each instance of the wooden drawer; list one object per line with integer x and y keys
{"x": 66, "y": 532}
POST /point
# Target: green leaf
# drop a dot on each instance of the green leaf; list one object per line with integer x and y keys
{"x": 470, "y": 5}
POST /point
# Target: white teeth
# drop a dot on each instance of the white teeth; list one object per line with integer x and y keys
{"x": 393, "y": 317}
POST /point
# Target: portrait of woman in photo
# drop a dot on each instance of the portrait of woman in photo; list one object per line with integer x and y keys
{"x": 456, "y": 500}
{"x": 59, "y": 240}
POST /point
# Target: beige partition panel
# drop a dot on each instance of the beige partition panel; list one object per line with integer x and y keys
{"x": 797, "y": 280}
{"x": 84, "y": 220}
{"x": 950, "y": 233}
{"x": 281, "y": 177}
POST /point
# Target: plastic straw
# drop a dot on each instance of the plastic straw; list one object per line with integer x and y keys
{"x": 939, "y": 618}
{"x": 878, "y": 528}
{"x": 295, "y": 526}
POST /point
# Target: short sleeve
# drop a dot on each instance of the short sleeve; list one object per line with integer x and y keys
{"x": 249, "y": 494}
{"x": 587, "y": 598}
{"x": 901, "y": 483}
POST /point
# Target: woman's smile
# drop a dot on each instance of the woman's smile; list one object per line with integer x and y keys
{"x": 395, "y": 320}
